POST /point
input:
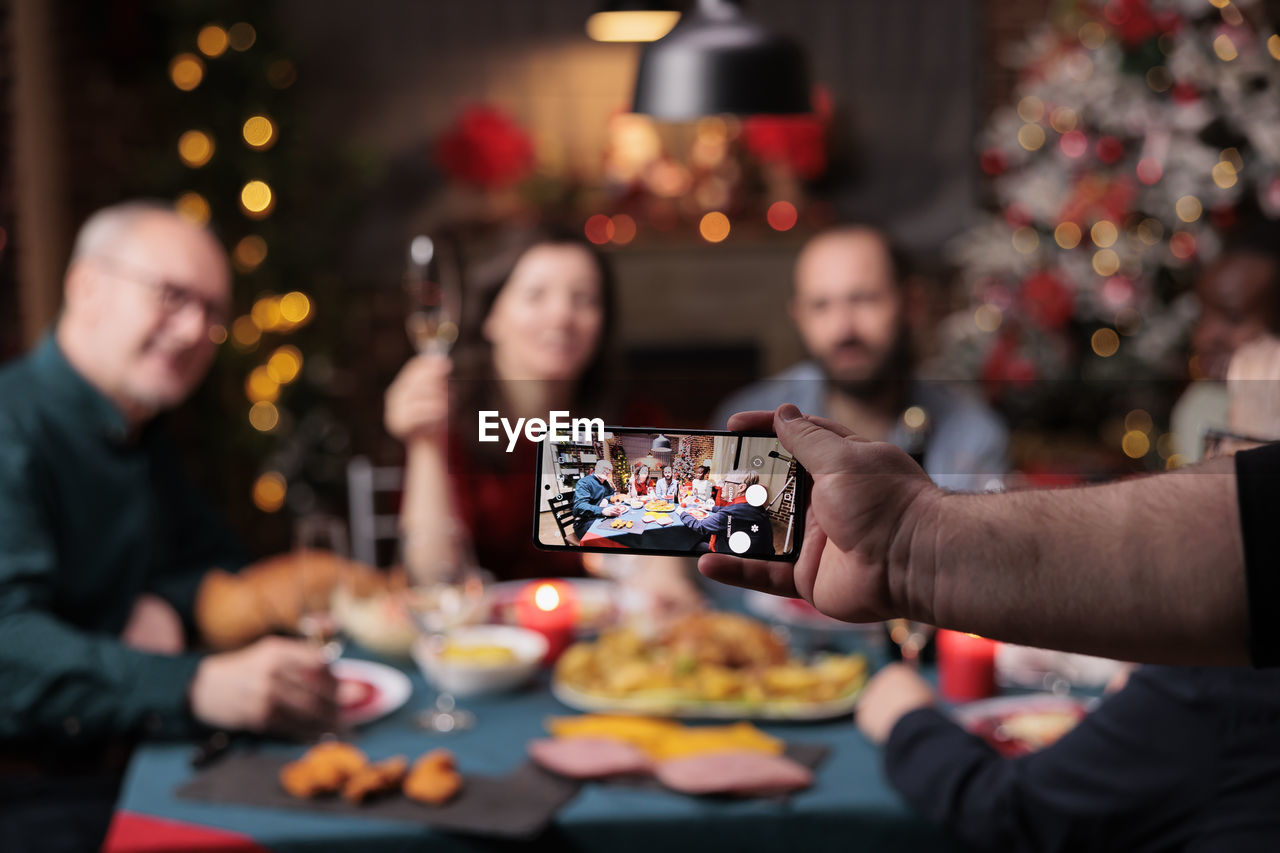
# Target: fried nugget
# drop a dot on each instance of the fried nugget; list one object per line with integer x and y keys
{"x": 299, "y": 781}
{"x": 323, "y": 769}
{"x": 374, "y": 779}
{"x": 434, "y": 779}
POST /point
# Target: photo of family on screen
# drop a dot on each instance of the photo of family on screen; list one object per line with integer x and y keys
{"x": 683, "y": 493}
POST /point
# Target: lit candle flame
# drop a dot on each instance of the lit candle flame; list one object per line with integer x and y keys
{"x": 546, "y": 597}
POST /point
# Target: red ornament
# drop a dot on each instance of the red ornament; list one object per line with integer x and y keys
{"x": 1185, "y": 93}
{"x": 993, "y": 162}
{"x": 1109, "y": 149}
{"x": 1046, "y": 300}
{"x": 485, "y": 148}
{"x": 1017, "y": 215}
{"x": 796, "y": 142}
{"x": 1006, "y": 365}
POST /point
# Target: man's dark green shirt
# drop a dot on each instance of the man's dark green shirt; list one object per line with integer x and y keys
{"x": 91, "y": 517}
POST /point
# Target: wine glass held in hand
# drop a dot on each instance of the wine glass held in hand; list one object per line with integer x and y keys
{"x": 432, "y": 319}
{"x": 315, "y": 537}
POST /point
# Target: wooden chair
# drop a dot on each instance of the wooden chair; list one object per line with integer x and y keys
{"x": 369, "y": 523}
{"x": 562, "y": 511}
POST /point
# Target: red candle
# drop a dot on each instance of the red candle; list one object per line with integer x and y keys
{"x": 966, "y": 666}
{"x": 551, "y": 609}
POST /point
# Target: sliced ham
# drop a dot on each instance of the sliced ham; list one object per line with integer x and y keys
{"x": 588, "y": 757}
{"x": 742, "y": 773}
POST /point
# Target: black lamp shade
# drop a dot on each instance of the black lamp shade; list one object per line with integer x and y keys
{"x": 718, "y": 61}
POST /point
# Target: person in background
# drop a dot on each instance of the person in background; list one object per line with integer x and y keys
{"x": 104, "y": 542}
{"x": 640, "y": 482}
{"x": 721, "y": 524}
{"x": 1180, "y": 758}
{"x": 850, "y": 304}
{"x": 591, "y": 498}
{"x": 700, "y": 486}
{"x": 1239, "y": 294}
{"x": 667, "y": 486}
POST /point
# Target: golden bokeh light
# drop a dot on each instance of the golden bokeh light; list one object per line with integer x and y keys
{"x": 1175, "y": 460}
{"x": 1105, "y": 342}
{"x": 714, "y": 227}
{"x": 1092, "y": 35}
{"x": 295, "y": 307}
{"x": 186, "y": 71}
{"x": 1104, "y": 234}
{"x": 259, "y": 387}
{"x": 269, "y": 491}
{"x": 1165, "y": 445}
{"x": 1139, "y": 420}
{"x": 195, "y": 148}
{"x": 1025, "y": 239}
{"x": 249, "y": 253}
{"x": 218, "y": 334}
{"x": 285, "y": 365}
{"x": 914, "y": 417}
{"x": 988, "y": 317}
{"x": 1067, "y": 235}
{"x": 256, "y": 199}
{"x": 1225, "y": 48}
{"x": 1189, "y": 208}
{"x": 259, "y": 132}
{"x": 1232, "y": 156}
{"x": 1106, "y": 262}
{"x": 1030, "y": 109}
{"x": 266, "y": 313}
{"x": 1224, "y": 175}
{"x": 245, "y": 333}
{"x": 1031, "y": 136}
{"x": 1063, "y": 119}
{"x": 194, "y": 208}
{"x": 1150, "y": 231}
{"x": 1159, "y": 79}
{"x": 631, "y": 26}
{"x": 1135, "y": 444}
{"x": 212, "y": 40}
{"x": 241, "y": 36}
{"x": 1273, "y": 47}
{"x": 264, "y": 416}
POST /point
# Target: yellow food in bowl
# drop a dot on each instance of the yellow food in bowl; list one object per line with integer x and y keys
{"x": 477, "y": 655}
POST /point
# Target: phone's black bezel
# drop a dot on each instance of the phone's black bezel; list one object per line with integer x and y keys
{"x": 801, "y": 501}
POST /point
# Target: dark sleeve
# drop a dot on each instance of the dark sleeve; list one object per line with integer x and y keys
{"x": 1258, "y": 491}
{"x": 715, "y": 522}
{"x": 584, "y": 505}
{"x": 55, "y": 678}
{"x": 197, "y": 538}
{"x": 1121, "y": 780}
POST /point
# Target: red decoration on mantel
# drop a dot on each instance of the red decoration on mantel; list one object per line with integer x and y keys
{"x": 798, "y": 142}
{"x": 485, "y": 148}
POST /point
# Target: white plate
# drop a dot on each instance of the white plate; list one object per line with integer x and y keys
{"x": 686, "y": 709}
{"x": 374, "y": 690}
{"x": 973, "y": 713}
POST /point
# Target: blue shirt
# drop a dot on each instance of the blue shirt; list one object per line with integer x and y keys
{"x": 967, "y": 444}
{"x": 587, "y": 495}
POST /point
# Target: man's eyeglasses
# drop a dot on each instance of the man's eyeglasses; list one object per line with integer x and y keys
{"x": 172, "y": 299}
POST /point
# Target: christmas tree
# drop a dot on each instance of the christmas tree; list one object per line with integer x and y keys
{"x": 1142, "y": 132}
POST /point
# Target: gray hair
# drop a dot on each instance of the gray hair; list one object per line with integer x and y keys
{"x": 109, "y": 227}
{"x": 602, "y": 467}
{"x": 749, "y": 476}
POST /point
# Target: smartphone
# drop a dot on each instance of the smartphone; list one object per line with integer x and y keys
{"x": 674, "y": 493}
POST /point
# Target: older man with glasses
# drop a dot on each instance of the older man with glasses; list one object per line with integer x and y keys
{"x": 104, "y": 542}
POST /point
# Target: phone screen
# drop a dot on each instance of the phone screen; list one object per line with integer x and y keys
{"x": 670, "y": 492}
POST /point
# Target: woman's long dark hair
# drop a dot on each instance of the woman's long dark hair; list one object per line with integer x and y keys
{"x": 592, "y": 394}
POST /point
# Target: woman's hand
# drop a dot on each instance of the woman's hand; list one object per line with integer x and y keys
{"x": 417, "y": 402}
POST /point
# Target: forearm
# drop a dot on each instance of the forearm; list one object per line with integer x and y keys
{"x": 57, "y": 680}
{"x": 1148, "y": 569}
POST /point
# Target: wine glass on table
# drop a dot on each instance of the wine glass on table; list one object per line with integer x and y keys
{"x": 910, "y": 637}
{"x": 433, "y": 296}
{"x": 317, "y": 540}
{"x": 448, "y": 591}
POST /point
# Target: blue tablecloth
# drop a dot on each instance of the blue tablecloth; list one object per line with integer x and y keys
{"x": 642, "y": 534}
{"x": 850, "y": 807}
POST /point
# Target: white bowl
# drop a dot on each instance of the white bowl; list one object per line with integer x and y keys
{"x": 464, "y": 679}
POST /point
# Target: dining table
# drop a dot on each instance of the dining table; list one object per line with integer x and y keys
{"x": 674, "y": 536}
{"x": 850, "y": 805}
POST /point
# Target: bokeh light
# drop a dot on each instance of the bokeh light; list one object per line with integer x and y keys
{"x": 1067, "y": 235}
{"x": 1273, "y": 47}
{"x": 1151, "y": 231}
{"x": 624, "y": 229}
{"x": 914, "y": 417}
{"x": 218, "y": 334}
{"x": 1073, "y": 143}
{"x": 259, "y": 387}
{"x": 1104, "y": 233}
{"x": 1031, "y": 136}
{"x": 281, "y": 74}
{"x": 1225, "y": 48}
{"x": 295, "y": 307}
{"x": 1159, "y": 79}
{"x": 988, "y": 317}
{"x": 1224, "y": 175}
{"x": 1031, "y": 109}
{"x": 782, "y": 216}
{"x": 1189, "y": 208}
{"x": 264, "y": 416}
{"x": 259, "y": 132}
{"x": 186, "y": 71}
{"x": 1092, "y": 35}
{"x": 1135, "y": 444}
{"x": 714, "y": 227}
{"x": 193, "y": 207}
{"x": 1063, "y": 119}
{"x": 212, "y": 40}
{"x": 245, "y": 333}
{"x": 195, "y": 148}
{"x": 266, "y": 313}
{"x": 285, "y": 365}
{"x": 1182, "y": 245}
{"x": 1149, "y": 171}
{"x": 269, "y": 491}
{"x": 241, "y": 36}
{"x": 1106, "y": 262}
{"x": 249, "y": 253}
{"x": 1138, "y": 420}
{"x": 598, "y": 229}
{"x": 1026, "y": 239}
{"x": 256, "y": 199}
{"x": 1105, "y": 342}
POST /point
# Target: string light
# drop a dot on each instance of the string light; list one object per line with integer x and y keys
{"x": 245, "y": 333}
{"x": 264, "y": 416}
{"x": 259, "y": 387}
{"x": 1105, "y": 342}
{"x": 186, "y": 71}
{"x": 212, "y": 41}
{"x": 1138, "y": 420}
{"x": 988, "y": 317}
{"x": 1031, "y": 136}
{"x": 1106, "y": 262}
{"x": 1063, "y": 119}
{"x": 194, "y": 208}
{"x": 599, "y": 229}
{"x": 1031, "y": 109}
{"x": 1135, "y": 444}
{"x": 1103, "y": 233}
{"x": 1067, "y": 235}
{"x": 241, "y": 36}
{"x": 259, "y": 132}
{"x": 1150, "y": 231}
{"x": 1025, "y": 240}
{"x": 284, "y": 365}
{"x": 624, "y": 229}
{"x": 1224, "y": 175}
{"x": 195, "y": 148}
{"x": 1225, "y": 48}
{"x": 218, "y": 334}
{"x": 1188, "y": 208}
{"x": 269, "y": 491}
{"x": 295, "y": 307}
{"x": 256, "y": 199}
{"x": 782, "y": 216}
{"x": 249, "y": 253}
{"x": 266, "y": 313}
{"x": 714, "y": 227}
{"x": 1273, "y": 47}
{"x": 1159, "y": 79}
{"x": 1164, "y": 445}
{"x": 281, "y": 74}
{"x": 1093, "y": 35}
